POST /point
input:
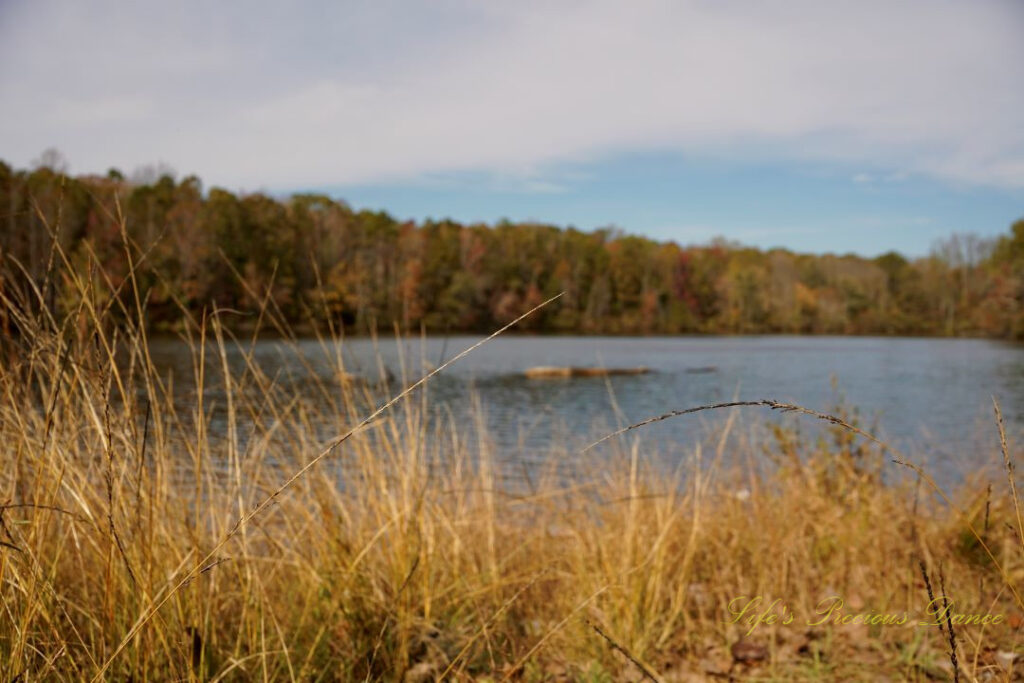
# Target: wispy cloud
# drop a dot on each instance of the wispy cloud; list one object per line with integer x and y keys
{"x": 321, "y": 92}
{"x": 871, "y": 178}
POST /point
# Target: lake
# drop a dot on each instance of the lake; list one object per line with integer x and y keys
{"x": 929, "y": 397}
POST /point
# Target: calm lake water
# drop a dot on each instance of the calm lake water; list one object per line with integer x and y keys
{"x": 930, "y": 397}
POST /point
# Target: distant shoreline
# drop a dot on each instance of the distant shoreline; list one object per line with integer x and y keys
{"x": 304, "y": 260}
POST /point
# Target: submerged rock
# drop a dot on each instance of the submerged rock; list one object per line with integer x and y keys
{"x": 543, "y": 371}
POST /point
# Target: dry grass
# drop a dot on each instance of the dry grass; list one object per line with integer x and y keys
{"x": 147, "y": 535}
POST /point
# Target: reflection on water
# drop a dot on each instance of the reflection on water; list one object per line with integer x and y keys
{"x": 931, "y": 397}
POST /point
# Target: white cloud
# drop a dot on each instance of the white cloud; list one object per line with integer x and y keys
{"x": 251, "y": 95}
{"x": 98, "y": 111}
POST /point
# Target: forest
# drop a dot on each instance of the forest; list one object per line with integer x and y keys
{"x": 313, "y": 258}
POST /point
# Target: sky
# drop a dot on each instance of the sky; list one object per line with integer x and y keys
{"x": 842, "y": 126}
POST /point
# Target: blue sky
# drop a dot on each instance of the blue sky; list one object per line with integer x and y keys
{"x": 807, "y": 207}
{"x": 841, "y": 126}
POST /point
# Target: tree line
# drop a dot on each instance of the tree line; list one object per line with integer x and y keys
{"x": 313, "y": 258}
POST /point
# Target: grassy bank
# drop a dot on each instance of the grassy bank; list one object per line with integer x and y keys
{"x": 138, "y": 542}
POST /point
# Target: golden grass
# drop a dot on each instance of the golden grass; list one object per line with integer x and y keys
{"x": 147, "y": 535}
